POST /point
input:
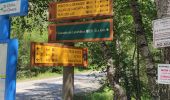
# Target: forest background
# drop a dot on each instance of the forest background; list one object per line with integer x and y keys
{"x": 123, "y": 53}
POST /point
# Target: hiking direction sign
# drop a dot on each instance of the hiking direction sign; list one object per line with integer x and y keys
{"x": 67, "y": 31}
{"x": 78, "y": 9}
{"x": 13, "y": 7}
{"x": 10, "y": 8}
{"x": 46, "y": 54}
{"x": 98, "y": 30}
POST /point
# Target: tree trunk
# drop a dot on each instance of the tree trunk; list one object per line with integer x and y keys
{"x": 144, "y": 51}
{"x": 113, "y": 75}
{"x": 119, "y": 93}
{"x": 163, "y": 10}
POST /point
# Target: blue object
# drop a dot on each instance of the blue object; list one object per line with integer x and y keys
{"x": 23, "y": 7}
{"x": 3, "y": 1}
{"x": 5, "y": 21}
{"x": 4, "y": 27}
{"x": 12, "y": 50}
{"x": 12, "y": 55}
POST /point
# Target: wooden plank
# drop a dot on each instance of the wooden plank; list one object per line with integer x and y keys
{"x": 46, "y": 54}
{"x": 78, "y": 9}
{"x": 98, "y": 30}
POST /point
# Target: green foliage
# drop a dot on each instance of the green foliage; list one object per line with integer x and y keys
{"x": 104, "y": 93}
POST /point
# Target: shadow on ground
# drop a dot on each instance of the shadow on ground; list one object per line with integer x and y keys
{"x": 43, "y": 91}
{"x": 52, "y": 89}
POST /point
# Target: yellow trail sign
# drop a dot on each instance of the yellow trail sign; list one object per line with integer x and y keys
{"x": 76, "y": 9}
{"x": 46, "y": 54}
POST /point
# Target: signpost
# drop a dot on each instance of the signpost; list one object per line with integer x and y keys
{"x": 8, "y": 62}
{"x": 8, "y": 47}
{"x": 45, "y": 54}
{"x": 161, "y": 32}
{"x": 98, "y": 30}
{"x": 77, "y": 9}
{"x": 164, "y": 73}
{"x": 13, "y": 7}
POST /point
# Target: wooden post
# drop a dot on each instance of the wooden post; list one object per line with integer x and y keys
{"x": 68, "y": 80}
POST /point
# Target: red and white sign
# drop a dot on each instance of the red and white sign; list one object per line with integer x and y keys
{"x": 164, "y": 73}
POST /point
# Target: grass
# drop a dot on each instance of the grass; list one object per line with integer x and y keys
{"x": 81, "y": 70}
{"x": 104, "y": 93}
{"x": 40, "y": 76}
{"x": 49, "y": 75}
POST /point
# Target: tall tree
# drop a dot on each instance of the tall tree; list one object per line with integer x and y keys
{"x": 163, "y": 10}
{"x": 144, "y": 50}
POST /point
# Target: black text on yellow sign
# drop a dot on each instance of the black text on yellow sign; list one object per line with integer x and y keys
{"x": 76, "y": 9}
{"x": 45, "y": 54}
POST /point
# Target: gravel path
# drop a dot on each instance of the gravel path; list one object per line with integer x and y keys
{"x": 51, "y": 89}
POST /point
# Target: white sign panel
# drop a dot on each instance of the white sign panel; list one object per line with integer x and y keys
{"x": 10, "y": 7}
{"x": 164, "y": 73}
{"x": 3, "y": 61}
{"x": 161, "y": 32}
